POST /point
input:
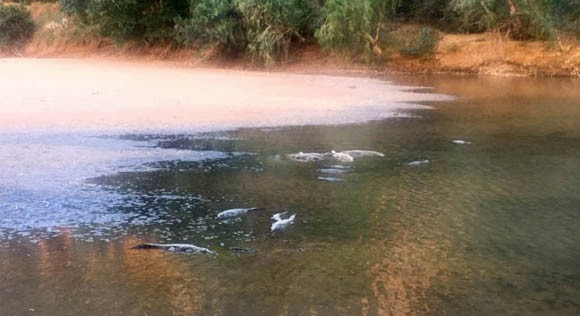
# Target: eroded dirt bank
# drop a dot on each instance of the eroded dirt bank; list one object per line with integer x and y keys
{"x": 493, "y": 54}
{"x": 481, "y": 54}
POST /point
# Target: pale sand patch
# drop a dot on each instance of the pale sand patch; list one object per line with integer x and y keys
{"x": 97, "y": 94}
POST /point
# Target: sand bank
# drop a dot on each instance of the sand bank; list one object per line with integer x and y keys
{"x": 101, "y": 94}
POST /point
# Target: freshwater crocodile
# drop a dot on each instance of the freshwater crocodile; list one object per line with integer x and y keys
{"x": 186, "y": 248}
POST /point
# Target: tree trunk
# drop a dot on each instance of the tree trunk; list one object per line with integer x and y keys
{"x": 513, "y": 8}
{"x": 516, "y": 22}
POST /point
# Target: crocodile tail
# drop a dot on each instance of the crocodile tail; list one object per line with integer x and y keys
{"x": 253, "y": 209}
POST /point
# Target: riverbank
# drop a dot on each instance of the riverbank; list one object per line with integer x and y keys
{"x": 481, "y": 54}
{"x": 493, "y": 54}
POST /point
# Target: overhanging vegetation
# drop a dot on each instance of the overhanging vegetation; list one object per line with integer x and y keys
{"x": 266, "y": 30}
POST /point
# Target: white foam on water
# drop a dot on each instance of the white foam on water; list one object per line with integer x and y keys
{"x": 43, "y": 179}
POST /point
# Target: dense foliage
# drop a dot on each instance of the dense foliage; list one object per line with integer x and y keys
{"x": 151, "y": 20}
{"x": 16, "y": 26}
{"x": 521, "y": 19}
{"x": 348, "y": 24}
{"x": 422, "y": 44}
{"x": 266, "y": 30}
{"x": 272, "y": 25}
{"x": 567, "y": 13}
{"x": 212, "y": 22}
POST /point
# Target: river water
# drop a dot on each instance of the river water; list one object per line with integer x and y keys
{"x": 485, "y": 225}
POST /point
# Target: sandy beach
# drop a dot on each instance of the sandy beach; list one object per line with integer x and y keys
{"x": 105, "y": 94}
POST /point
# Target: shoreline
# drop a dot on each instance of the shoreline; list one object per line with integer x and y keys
{"x": 533, "y": 61}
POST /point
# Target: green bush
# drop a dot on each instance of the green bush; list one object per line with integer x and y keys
{"x": 151, "y": 20}
{"x": 272, "y": 25}
{"x": 213, "y": 22}
{"x": 265, "y": 29}
{"x": 347, "y": 25}
{"x": 16, "y": 26}
{"x": 123, "y": 20}
{"x": 424, "y": 43}
{"x": 476, "y": 16}
{"x": 530, "y": 21}
{"x": 77, "y": 8}
{"x": 536, "y": 23}
{"x": 354, "y": 26}
{"x": 568, "y": 13}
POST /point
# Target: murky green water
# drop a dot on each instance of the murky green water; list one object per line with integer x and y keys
{"x": 486, "y": 228}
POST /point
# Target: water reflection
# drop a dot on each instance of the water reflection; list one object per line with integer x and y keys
{"x": 482, "y": 229}
{"x": 106, "y": 279}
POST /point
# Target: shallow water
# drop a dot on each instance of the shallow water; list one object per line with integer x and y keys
{"x": 486, "y": 228}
